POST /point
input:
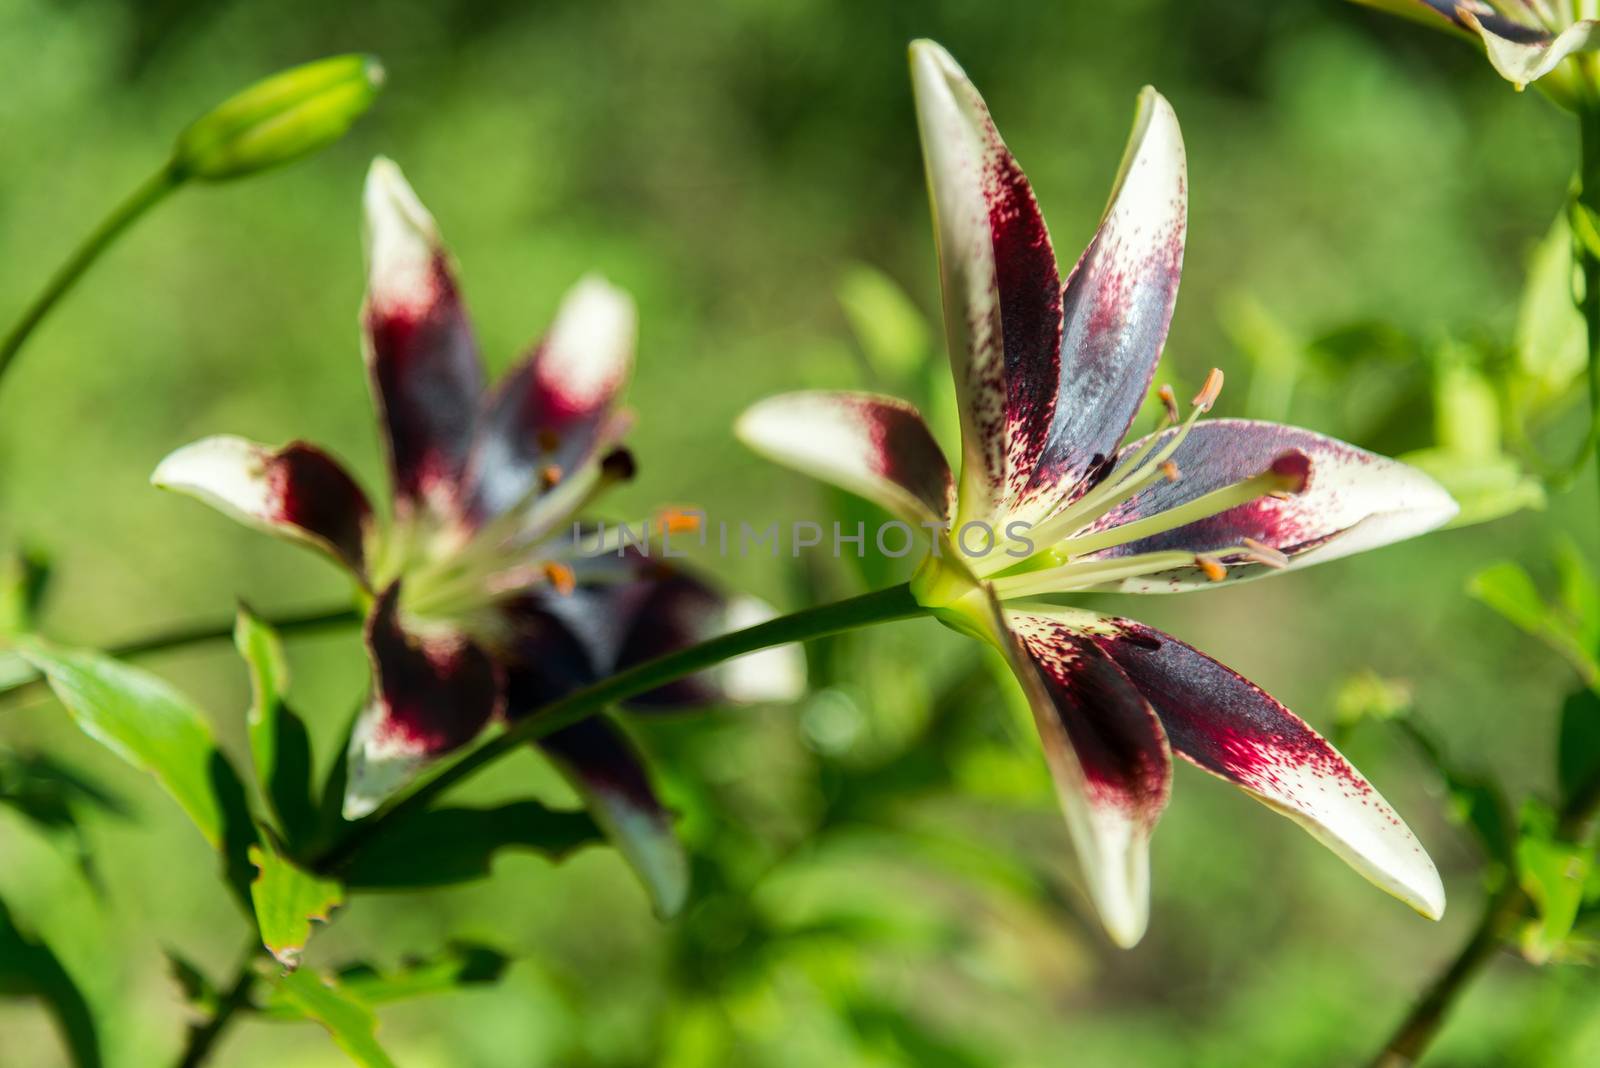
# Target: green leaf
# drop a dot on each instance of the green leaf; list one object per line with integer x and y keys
{"x": 141, "y": 719}
{"x": 1578, "y": 746}
{"x": 1580, "y": 594}
{"x": 279, "y": 742}
{"x": 892, "y": 332}
{"x": 150, "y": 725}
{"x": 442, "y": 846}
{"x": 29, "y": 968}
{"x": 1554, "y": 874}
{"x": 461, "y": 964}
{"x": 352, "y": 1025}
{"x": 1508, "y": 589}
{"x": 287, "y": 899}
{"x": 23, "y": 576}
{"x": 1550, "y": 337}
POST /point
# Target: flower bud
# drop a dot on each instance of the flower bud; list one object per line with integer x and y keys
{"x": 280, "y": 118}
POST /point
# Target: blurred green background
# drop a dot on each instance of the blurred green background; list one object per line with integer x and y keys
{"x": 882, "y": 878}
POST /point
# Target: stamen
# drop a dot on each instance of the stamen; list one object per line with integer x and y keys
{"x": 549, "y": 440}
{"x": 1211, "y": 566}
{"x": 549, "y": 475}
{"x": 1208, "y": 392}
{"x": 1169, "y": 471}
{"x": 560, "y": 576}
{"x": 679, "y": 520}
{"x": 1262, "y": 553}
{"x": 1170, "y": 399}
{"x": 1289, "y": 473}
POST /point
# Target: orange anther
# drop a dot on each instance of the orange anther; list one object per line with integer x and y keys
{"x": 549, "y": 475}
{"x": 1169, "y": 471}
{"x": 1208, "y": 392}
{"x": 560, "y": 576}
{"x": 1170, "y": 399}
{"x": 1211, "y": 566}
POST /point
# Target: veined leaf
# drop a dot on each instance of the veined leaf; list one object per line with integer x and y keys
{"x": 352, "y": 1025}
{"x": 453, "y": 845}
{"x": 279, "y": 742}
{"x": 141, "y": 719}
{"x": 153, "y": 727}
{"x": 1554, "y": 874}
{"x": 1509, "y": 590}
{"x": 460, "y": 964}
{"x": 287, "y": 899}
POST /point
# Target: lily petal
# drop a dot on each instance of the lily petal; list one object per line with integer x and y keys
{"x": 875, "y": 446}
{"x": 630, "y": 609}
{"x": 297, "y": 492}
{"x": 1107, "y": 753}
{"x": 1000, "y": 283}
{"x": 609, "y": 774}
{"x": 1118, "y": 305}
{"x": 1225, "y": 724}
{"x": 424, "y": 364}
{"x": 1524, "y": 55}
{"x": 432, "y": 693}
{"x": 551, "y": 413}
{"x": 1354, "y": 500}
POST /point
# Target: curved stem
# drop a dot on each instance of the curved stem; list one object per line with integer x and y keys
{"x": 878, "y": 607}
{"x": 194, "y": 634}
{"x": 203, "y": 1036}
{"x": 151, "y": 192}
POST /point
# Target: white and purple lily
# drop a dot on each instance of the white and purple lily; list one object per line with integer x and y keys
{"x": 482, "y": 603}
{"x": 1050, "y": 375}
{"x": 1525, "y": 40}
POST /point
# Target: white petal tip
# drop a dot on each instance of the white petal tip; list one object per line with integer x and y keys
{"x": 401, "y": 236}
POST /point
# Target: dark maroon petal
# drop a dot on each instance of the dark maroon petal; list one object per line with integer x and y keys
{"x": 420, "y": 352}
{"x": 431, "y": 693}
{"x": 553, "y": 412}
{"x": 609, "y": 774}
{"x": 638, "y": 612}
{"x": 1349, "y": 499}
{"x": 1108, "y": 756}
{"x": 1225, "y": 724}
{"x": 999, "y": 277}
{"x": 875, "y": 446}
{"x": 1114, "y": 734}
{"x": 1117, "y": 306}
{"x": 298, "y": 491}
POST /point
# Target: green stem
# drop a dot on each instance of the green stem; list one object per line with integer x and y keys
{"x": 203, "y": 1036}
{"x": 147, "y": 195}
{"x": 194, "y": 634}
{"x": 878, "y": 607}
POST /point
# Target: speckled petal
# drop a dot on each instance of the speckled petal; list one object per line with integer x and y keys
{"x": 1108, "y": 756}
{"x": 1354, "y": 500}
{"x": 1000, "y": 281}
{"x": 1226, "y": 725}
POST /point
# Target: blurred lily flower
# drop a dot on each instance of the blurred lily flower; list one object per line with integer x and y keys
{"x": 1050, "y": 377}
{"x": 1525, "y": 40}
{"x": 482, "y": 604}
